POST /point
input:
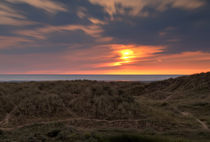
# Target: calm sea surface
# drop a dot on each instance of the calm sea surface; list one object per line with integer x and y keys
{"x": 85, "y": 77}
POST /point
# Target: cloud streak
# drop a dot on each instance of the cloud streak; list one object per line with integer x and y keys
{"x": 184, "y": 63}
{"x": 42, "y": 33}
{"x": 8, "y": 41}
{"x": 10, "y": 16}
{"x": 137, "y": 6}
{"x": 46, "y": 5}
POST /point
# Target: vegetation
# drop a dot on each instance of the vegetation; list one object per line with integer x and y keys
{"x": 58, "y": 132}
{"x": 171, "y": 108}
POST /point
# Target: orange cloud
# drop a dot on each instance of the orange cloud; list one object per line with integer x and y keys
{"x": 137, "y": 6}
{"x": 8, "y": 41}
{"x": 93, "y": 30}
{"x": 96, "y": 21}
{"x": 184, "y": 63}
{"x": 47, "y": 5}
{"x": 129, "y": 54}
{"x": 10, "y": 16}
{"x": 82, "y": 12}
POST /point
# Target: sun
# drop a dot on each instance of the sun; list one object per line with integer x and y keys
{"x": 124, "y": 55}
{"x": 127, "y": 54}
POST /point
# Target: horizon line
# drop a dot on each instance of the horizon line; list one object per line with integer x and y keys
{"x": 96, "y": 74}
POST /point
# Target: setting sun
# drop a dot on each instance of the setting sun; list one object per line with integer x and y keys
{"x": 127, "y": 54}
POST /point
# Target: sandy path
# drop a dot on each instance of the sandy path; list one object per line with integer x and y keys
{"x": 203, "y": 124}
{"x": 5, "y": 121}
{"x": 72, "y": 120}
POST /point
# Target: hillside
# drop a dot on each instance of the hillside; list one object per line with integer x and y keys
{"x": 174, "y": 107}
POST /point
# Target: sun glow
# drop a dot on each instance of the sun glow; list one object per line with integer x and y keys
{"x": 131, "y": 54}
{"x": 126, "y": 56}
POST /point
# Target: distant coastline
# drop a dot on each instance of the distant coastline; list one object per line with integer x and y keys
{"x": 45, "y": 77}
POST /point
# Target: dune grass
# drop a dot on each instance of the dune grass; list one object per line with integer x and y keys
{"x": 173, "y": 107}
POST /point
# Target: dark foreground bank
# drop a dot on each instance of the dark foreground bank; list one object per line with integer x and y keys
{"x": 170, "y": 110}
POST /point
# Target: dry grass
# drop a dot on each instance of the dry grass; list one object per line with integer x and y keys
{"x": 156, "y": 106}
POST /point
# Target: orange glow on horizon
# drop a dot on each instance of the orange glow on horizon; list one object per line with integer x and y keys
{"x": 157, "y": 72}
{"x": 119, "y": 59}
{"x": 125, "y": 72}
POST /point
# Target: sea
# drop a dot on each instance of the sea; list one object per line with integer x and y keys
{"x": 44, "y": 77}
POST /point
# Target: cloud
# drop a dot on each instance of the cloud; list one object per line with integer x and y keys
{"x": 184, "y": 63}
{"x": 46, "y": 5}
{"x": 109, "y": 56}
{"x": 10, "y": 16}
{"x": 50, "y": 38}
{"x": 96, "y": 21}
{"x": 95, "y": 31}
{"x": 136, "y": 7}
{"x": 177, "y": 29}
{"x": 185, "y": 57}
{"x": 81, "y": 12}
{"x": 129, "y": 54}
{"x": 187, "y": 4}
{"x": 92, "y": 30}
{"x": 9, "y": 41}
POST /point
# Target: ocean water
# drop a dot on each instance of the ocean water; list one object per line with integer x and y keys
{"x": 4, "y": 78}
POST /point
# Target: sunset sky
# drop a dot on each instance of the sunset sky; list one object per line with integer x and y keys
{"x": 104, "y": 36}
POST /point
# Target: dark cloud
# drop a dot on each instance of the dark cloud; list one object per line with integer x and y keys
{"x": 55, "y": 42}
{"x": 179, "y": 29}
{"x": 71, "y": 37}
{"x": 63, "y": 17}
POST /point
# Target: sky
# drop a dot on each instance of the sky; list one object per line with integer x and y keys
{"x": 104, "y": 36}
